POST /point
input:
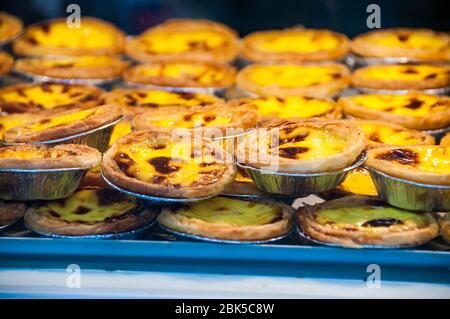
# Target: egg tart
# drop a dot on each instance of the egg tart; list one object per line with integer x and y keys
{"x": 445, "y": 227}
{"x": 136, "y": 101}
{"x": 421, "y": 164}
{"x": 357, "y": 182}
{"x": 302, "y": 146}
{"x": 416, "y": 44}
{"x": 200, "y": 40}
{"x": 29, "y": 156}
{"x": 48, "y": 97}
{"x": 63, "y": 124}
{"x": 8, "y": 121}
{"x": 10, "y": 27}
{"x": 182, "y": 74}
{"x": 160, "y": 164}
{"x": 445, "y": 141}
{"x": 323, "y": 80}
{"x": 6, "y": 63}
{"x": 356, "y": 221}
{"x": 412, "y": 110}
{"x": 402, "y": 77}
{"x": 294, "y": 45}
{"x": 87, "y": 67}
{"x": 379, "y": 134}
{"x": 10, "y": 212}
{"x": 91, "y": 210}
{"x": 229, "y": 219}
{"x": 57, "y": 38}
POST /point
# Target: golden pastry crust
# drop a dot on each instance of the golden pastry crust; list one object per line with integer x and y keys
{"x": 303, "y": 146}
{"x": 444, "y": 224}
{"x": 10, "y": 212}
{"x": 417, "y": 44}
{"x": 242, "y": 185}
{"x": 382, "y": 134}
{"x": 322, "y": 80}
{"x": 137, "y": 101}
{"x": 200, "y": 40}
{"x": 129, "y": 163}
{"x": 29, "y": 156}
{"x": 190, "y": 225}
{"x": 402, "y": 77}
{"x": 81, "y": 67}
{"x": 6, "y": 63}
{"x": 445, "y": 141}
{"x": 182, "y": 74}
{"x": 421, "y": 164}
{"x": 48, "y": 97}
{"x": 294, "y": 45}
{"x": 49, "y": 222}
{"x": 399, "y": 233}
{"x": 413, "y": 110}
{"x": 10, "y": 27}
{"x": 63, "y": 124}
{"x": 54, "y": 37}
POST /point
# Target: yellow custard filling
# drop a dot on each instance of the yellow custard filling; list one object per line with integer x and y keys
{"x": 89, "y": 205}
{"x": 242, "y": 179}
{"x": 120, "y": 129}
{"x": 414, "y": 40}
{"x": 15, "y": 119}
{"x": 221, "y": 210}
{"x": 62, "y": 119}
{"x": 38, "y": 152}
{"x": 191, "y": 120}
{"x": 292, "y": 76}
{"x": 405, "y": 72}
{"x": 359, "y": 182}
{"x": 75, "y": 62}
{"x": 385, "y": 134}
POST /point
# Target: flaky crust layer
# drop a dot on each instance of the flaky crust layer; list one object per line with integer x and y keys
{"x": 170, "y": 219}
{"x": 446, "y": 140}
{"x": 221, "y": 54}
{"x": 357, "y": 236}
{"x": 10, "y": 212}
{"x": 59, "y": 156}
{"x": 249, "y": 52}
{"x": 6, "y": 63}
{"x": 25, "y": 134}
{"x": 12, "y": 27}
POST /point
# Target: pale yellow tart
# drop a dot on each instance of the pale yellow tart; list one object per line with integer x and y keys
{"x": 412, "y": 110}
{"x": 200, "y": 40}
{"x": 294, "y": 45}
{"x": 9, "y": 121}
{"x": 56, "y": 37}
{"x": 293, "y": 79}
{"x": 10, "y": 27}
{"x": 358, "y": 182}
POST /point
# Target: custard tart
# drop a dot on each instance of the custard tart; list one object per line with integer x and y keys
{"x": 57, "y": 38}
{"x": 136, "y": 101}
{"x": 402, "y": 77}
{"x": 416, "y": 44}
{"x": 229, "y": 219}
{"x": 445, "y": 227}
{"x": 420, "y": 164}
{"x": 182, "y": 74}
{"x": 322, "y": 80}
{"x": 29, "y": 156}
{"x": 6, "y": 63}
{"x": 358, "y": 182}
{"x": 159, "y": 164}
{"x": 8, "y": 121}
{"x": 10, "y": 27}
{"x": 294, "y": 45}
{"x": 445, "y": 140}
{"x": 63, "y": 124}
{"x": 302, "y": 146}
{"x": 412, "y": 110}
{"x": 87, "y": 67}
{"x": 379, "y": 134}
{"x": 200, "y": 40}
{"x": 91, "y": 210}
{"x": 48, "y": 97}
{"x": 10, "y": 212}
{"x": 356, "y": 221}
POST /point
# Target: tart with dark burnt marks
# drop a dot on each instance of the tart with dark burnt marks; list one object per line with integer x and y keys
{"x": 6, "y": 63}
{"x": 48, "y": 97}
{"x": 56, "y": 37}
{"x": 416, "y": 44}
{"x": 63, "y": 124}
{"x": 402, "y": 77}
{"x": 356, "y": 221}
{"x": 321, "y": 80}
{"x": 8, "y": 121}
{"x": 11, "y": 212}
{"x": 445, "y": 141}
{"x": 10, "y": 27}
{"x": 91, "y": 210}
{"x": 421, "y": 164}
{"x": 29, "y": 156}
{"x": 445, "y": 227}
{"x": 380, "y": 134}
{"x": 182, "y": 74}
{"x": 229, "y": 219}
{"x": 294, "y": 45}
{"x": 302, "y": 146}
{"x": 413, "y": 110}
{"x": 157, "y": 163}
{"x": 136, "y": 101}
{"x": 199, "y": 40}
{"x": 73, "y": 68}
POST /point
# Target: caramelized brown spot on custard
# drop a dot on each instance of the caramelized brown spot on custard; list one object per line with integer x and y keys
{"x": 410, "y": 71}
{"x": 124, "y": 162}
{"x": 400, "y": 156}
{"x": 403, "y": 37}
{"x": 45, "y": 27}
{"x": 431, "y": 76}
{"x": 210, "y": 118}
{"x": 82, "y": 210}
{"x": 298, "y": 138}
{"x": 186, "y": 95}
{"x": 108, "y": 196}
{"x": 162, "y": 165}
{"x": 292, "y": 152}
{"x": 414, "y": 104}
{"x": 46, "y": 87}
{"x": 375, "y": 137}
{"x": 382, "y": 222}
{"x": 158, "y": 179}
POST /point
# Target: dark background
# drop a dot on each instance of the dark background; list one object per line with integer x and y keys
{"x": 347, "y": 16}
